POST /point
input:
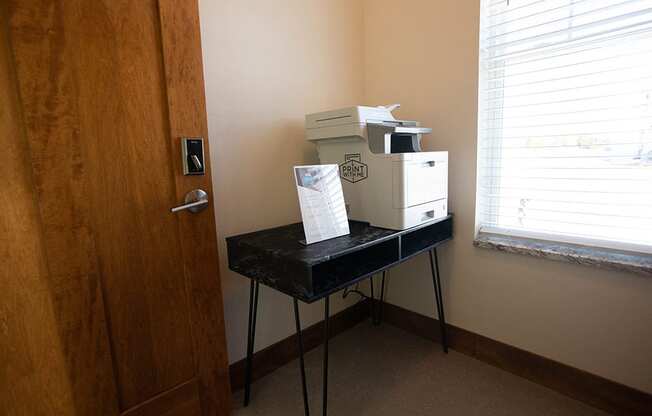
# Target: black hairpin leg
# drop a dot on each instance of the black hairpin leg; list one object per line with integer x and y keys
{"x": 434, "y": 268}
{"x": 372, "y": 301}
{"x": 377, "y": 313}
{"x": 382, "y": 298}
{"x": 325, "y": 380}
{"x": 301, "y": 362}
{"x": 251, "y": 333}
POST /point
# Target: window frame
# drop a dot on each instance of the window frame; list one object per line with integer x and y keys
{"x": 482, "y": 230}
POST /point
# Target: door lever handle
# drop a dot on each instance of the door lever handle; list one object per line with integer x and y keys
{"x": 195, "y": 201}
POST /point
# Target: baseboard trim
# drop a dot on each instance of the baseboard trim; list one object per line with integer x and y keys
{"x": 277, "y": 355}
{"x": 591, "y": 389}
{"x": 596, "y": 391}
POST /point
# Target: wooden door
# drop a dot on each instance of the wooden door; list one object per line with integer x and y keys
{"x": 109, "y": 303}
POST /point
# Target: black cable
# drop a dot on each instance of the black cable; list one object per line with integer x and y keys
{"x": 355, "y": 290}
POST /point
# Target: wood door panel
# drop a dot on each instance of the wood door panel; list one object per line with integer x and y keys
{"x": 54, "y": 352}
{"x": 110, "y": 303}
{"x": 130, "y": 154}
{"x": 187, "y": 111}
{"x": 107, "y": 133}
{"x": 183, "y": 400}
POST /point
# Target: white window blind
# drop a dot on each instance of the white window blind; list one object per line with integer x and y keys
{"x": 565, "y": 121}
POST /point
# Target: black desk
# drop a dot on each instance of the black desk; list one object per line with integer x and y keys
{"x": 276, "y": 258}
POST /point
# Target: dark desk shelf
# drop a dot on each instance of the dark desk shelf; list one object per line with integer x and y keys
{"x": 276, "y": 258}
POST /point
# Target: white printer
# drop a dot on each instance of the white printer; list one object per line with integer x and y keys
{"x": 387, "y": 180}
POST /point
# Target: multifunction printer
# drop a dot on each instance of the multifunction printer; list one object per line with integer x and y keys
{"x": 387, "y": 180}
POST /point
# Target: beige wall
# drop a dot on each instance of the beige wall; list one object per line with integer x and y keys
{"x": 423, "y": 54}
{"x": 266, "y": 64}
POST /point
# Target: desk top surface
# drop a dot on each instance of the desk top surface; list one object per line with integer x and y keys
{"x": 285, "y": 241}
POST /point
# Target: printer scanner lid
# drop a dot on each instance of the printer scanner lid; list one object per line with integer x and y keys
{"x": 350, "y": 115}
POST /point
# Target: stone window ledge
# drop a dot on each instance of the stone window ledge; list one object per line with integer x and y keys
{"x": 603, "y": 258}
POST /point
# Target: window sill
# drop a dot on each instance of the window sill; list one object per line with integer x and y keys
{"x": 590, "y": 256}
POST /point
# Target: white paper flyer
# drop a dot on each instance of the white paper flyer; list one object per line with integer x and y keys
{"x": 322, "y": 202}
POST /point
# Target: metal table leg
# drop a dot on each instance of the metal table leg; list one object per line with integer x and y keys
{"x": 372, "y": 301}
{"x": 251, "y": 334}
{"x": 382, "y": 298}
{"x": 325, "y": 380}
{"x": 301, "y": 362}
{"x": 377, "y": 312}
{"x": 434, "y": 268}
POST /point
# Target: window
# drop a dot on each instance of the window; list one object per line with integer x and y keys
{"x": 565, "y": 121}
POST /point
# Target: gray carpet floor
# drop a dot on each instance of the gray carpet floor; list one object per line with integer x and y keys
{"x": 385, "y": 371}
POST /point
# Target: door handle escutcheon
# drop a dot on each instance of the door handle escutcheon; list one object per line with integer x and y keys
{"x": 195, "y": 201}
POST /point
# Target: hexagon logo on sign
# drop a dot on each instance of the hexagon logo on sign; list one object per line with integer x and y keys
{"x": 353, "y": 170}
